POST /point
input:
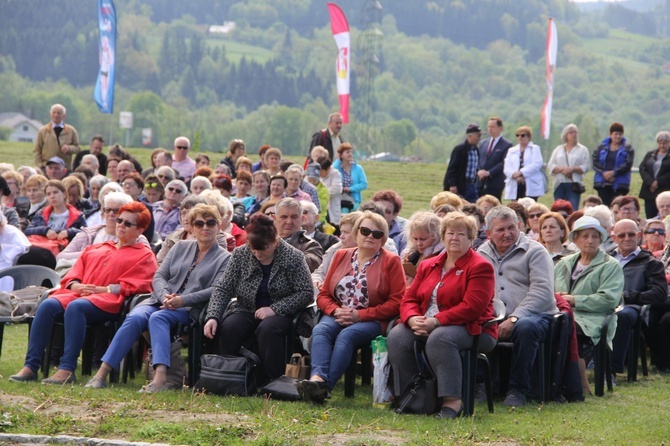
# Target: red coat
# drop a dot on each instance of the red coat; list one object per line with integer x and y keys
{"x": 386, "y": 286}
{"x": 132, "y": 267}
{"x": 465, "y": 299}
{"x": 239, "y": 234}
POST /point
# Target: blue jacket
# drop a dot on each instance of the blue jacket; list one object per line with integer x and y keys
{"x": 359, "y": 184}
{"x": 622, "y": 165}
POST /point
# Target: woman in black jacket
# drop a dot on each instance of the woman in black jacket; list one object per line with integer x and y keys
{"x": 655, "y": 173}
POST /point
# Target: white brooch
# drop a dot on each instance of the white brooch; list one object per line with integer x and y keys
{"x": 458, "y": 273}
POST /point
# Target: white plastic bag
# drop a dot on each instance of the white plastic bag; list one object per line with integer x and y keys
{"x": 381, "y": 394}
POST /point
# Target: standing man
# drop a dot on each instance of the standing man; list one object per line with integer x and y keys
{"x": 56, "y": 139}
{"x": 492, "y": 153}
{"x": 94, "y": 148}
{"x": 461, "y": 175}
{"x": 181, "y": 162}
{"x": 328, "y": 137}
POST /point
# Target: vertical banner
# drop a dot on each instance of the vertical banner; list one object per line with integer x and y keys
{"x": 552, "y": 47}
{"x": 103, "y": 94}
{"x": 340, "y": 27}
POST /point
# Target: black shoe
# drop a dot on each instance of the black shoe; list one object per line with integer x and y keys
{"x": 447, "y": 413}
{"x": 23, "y": 378}
{"x": 314, "y": 391}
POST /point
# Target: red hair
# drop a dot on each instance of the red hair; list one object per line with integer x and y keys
{"x": 562, "y": 205}
{"x": 143, "y": 214}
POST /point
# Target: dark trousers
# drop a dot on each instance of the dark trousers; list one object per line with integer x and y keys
{"x": 607, "y": 194}
{"x": 237, "y": 329}
{"x": 626, "y": 320}
{"x": 526, "y": 336}
{"x": 650, "y": 209}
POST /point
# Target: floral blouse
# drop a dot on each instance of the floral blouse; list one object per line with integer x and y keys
{"x": 352, "y": 290}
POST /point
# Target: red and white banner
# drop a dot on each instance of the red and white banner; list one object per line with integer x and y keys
{"x": 340, "y": 27}
{"x": 552, "y": 49}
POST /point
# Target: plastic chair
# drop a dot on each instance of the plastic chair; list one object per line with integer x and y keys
{"x": 602, "y": 360}
{"x": 637, "y": 347}
{"x": 471, "y": 357}
{"x": 25, "y": 276}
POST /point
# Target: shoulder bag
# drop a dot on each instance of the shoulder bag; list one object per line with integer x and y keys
{"x": 228, "y": 374}
{"x": 577, "y": 187}
{"x": 419, "y": 395}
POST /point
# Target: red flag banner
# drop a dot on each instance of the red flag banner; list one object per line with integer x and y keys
{"x": 340, "y": 28}
{"x": 552, "y": 49}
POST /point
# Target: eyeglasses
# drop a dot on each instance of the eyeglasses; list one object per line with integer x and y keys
{"x": 201, "y": 224}
{"x": 627, "y": 210}
{"x": 521, "y": 135}
{"x": 658, "y": 231}
{"x": 129, "y": 184}
{"x": 270, "y": 213}
{"x": 126, "y": 223}
{"x": 367, "y": 231}
{"x": 535, "y": 215}
{"x": 175, "y": 190}
{"x": 110, "y": 211}
{"x": 181, "y": 147}
{"x": 626, "y": 234}
{"x": 307, "y": 213}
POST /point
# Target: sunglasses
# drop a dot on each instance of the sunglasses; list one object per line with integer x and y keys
{"x": 534, "y": 215}
{"x": 110, "y": 211}
{"x": 201, "y": 224}
{"x": 175, "y": 190}
{"x": 367, "y": 231}
{"x": 658, "y": 231}
{"x": 182, "y": 147}
{"x": 126, "y": 223}
{"x": 521, "y": 135}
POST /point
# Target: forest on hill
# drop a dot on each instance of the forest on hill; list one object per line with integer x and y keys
{"x": 438, "y": 65}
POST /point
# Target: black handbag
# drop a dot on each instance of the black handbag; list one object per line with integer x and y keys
{"x": 283, "y": 388}
{"x": 228, "y": 374}
{"x": 578, "y": 188}
{"x": 419, "y": 395}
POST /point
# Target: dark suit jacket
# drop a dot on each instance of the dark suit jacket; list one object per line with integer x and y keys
{"x": 457, "y": 168}
{"x": 493, "y": 163}
{"x": 647, "y": 174}
{"x": 322, "y": 138}
{"x": 325, "y": 240}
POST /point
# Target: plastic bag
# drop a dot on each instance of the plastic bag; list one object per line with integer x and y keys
{"x": 381, "y": 393}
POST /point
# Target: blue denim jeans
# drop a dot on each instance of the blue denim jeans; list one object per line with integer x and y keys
{"x": 564, "y": 192}
{"x": 333, "y": 346}
{"x": 526, "y": 336}
{"x": 78, "y": 314}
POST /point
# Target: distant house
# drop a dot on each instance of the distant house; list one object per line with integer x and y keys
{"x": 23, "y": 128}
{"x": 666, "y": 68}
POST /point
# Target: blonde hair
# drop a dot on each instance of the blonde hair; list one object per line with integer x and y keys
{"x": 445, "y": 197}
{"x": 378, "y": 221}
{"x": 422, "y": 221}
{"x": 459, "y": 220}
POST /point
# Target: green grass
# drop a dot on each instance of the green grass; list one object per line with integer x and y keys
{"x": 622, "y": 47}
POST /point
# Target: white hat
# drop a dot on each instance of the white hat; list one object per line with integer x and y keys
{"x": 588, "y": 223}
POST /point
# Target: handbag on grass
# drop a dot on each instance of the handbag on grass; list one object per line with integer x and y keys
{"x": 284, "y": 388}
{"x": 228, "y": 374}
{"x": 420, "y": 394}
{"x": 176, "y": 373}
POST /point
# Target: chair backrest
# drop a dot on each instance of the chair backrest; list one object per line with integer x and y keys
{"x": 27, "y": 275}
{"x": 499, "y": 309}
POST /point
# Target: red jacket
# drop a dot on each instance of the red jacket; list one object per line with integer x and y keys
{"x": 132, "y": 267}
{"x": 466, "y": 298}
{"x": 386, "y": 285}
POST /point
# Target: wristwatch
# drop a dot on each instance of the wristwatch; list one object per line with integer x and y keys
{"x": 513, "y": 319}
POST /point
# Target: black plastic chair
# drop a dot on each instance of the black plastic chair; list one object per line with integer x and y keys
{"x": 25, "y": 276}
{"x": 637, "y": 347}
{"x": 602, "y": 360}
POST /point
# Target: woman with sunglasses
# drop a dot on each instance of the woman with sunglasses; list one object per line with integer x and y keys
{"x": 535, "y": 211}
{"x": 653, "y": 237}
{"x": 91, "y": 293}
{"x": 166, "y": 212}
{"x": 444, "y": 308}
{"x": 523, "y": 168}
{"x": 181, "y": 288}
{"x": 359, "y": 297}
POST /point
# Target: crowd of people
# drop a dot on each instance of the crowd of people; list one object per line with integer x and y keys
{"x": 253, "y": 245}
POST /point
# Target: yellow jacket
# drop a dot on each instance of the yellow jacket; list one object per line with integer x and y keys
{"x": 46, "y": 144}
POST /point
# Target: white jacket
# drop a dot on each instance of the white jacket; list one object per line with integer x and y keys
{"x": 532, "y": 171}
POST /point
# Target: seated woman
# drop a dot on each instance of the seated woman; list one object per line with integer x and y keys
{"x": 535, "y": 211}
{"x": 181, "y": 288}
{"x": 347, "y": 240}
{"x": 97, "y": 218}
{"x": 592, "y": 283}
{"x": 444, "y": 308}
{"x": 423, "y": 241}
{"x": 75, "y": 195}
{"x": 358, "y": 299}
{"x": 554, "y": 235}
{"x": 243, "y": 183}
{"x": 92, "y": 292}
{"x": 262, "y": 188}
{"x": 96, "y": 182}
{"x": 38, "y": 200}
{"x": 153, "y": 189}
{"x": 653, "y": 237}
{"x": 271, "y": 282}
{"x": 13, "y": 243}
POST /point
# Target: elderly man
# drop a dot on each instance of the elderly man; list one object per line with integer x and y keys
{"x": 461, "y": 175}
{"x": 55, "y": 168}
{"x": 328, "y": 137}
{"x": 310, "y": 217}
{"x": 644, "y": 284}
{"x": 56, "y": 139}
{"x": 525, "y": 283}
{"x": 181, "y": 162}
{"x": 288, "y": 218}
{"x": 90, "y": 162}
{"x": 94, "y": 148}
{"x": 124, "y": 168}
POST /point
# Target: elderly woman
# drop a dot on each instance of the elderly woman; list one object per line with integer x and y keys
{"x": 166, "y": 212}
{"x": 97, "y": 218}
{"x": 278, "y": 184}
{"x": 294, "y": 176}
{"x": 165, "y": 174}
{"x": 592, "y": 283}
{"x": 655, "y": 173}
{"x": 535, "y": 211}
{"x": 487, "y": 202}
{"x": 358, "y": 299}
{"x": 92, "y": 292}
{"x": 629, "y": 207}
{"x": 444, "y": 308}
{"x": 15, "y": 183}
{"x": 270, "y": 281}
{"x": 243, "y": 164}
{"x": 273, "y": 161}
{"x": 653, "y": 237}
{"x": 198, "y": 184}
{"x": 423, "y": 241}
{"x": 523, "y": 168}
{"x": 229, "y": 229}
{"x": 606, "y": 219}
{"x": 347, "y": 240}
{"x": 354, "y": 180}
{"x": 95, "y": 184}
{"x": 133, "y": 185}
{"x": 554, "y": 235}
{"x": 567, "y": 165}
{"x": 612, "y": 162}
{"x": 181, "y": 288}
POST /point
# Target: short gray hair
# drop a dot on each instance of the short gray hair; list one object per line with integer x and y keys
{"x": 309, "y": 206}
{"x": 192, "y": 200}
{"x": 223, "y": 204}
{"x": 61, "y": 106}
{"x": 603, "y": 214}
{"x": 119, "y": 198}
{"x": 663, "y": 136}
{"x": 188, "y": 141}
{"x": 295, "y": 168}
{"x": 567, "y": 129}
{"x": 288, "y": 202}
{"x": 204, "y": 180}
{"x": 501, "y": 212}
{"x": 167, "y": 171}
{"x": 98, "y": 180}
{"x": 180, "y": 184}
{"x": 661, "y": 196}
{"x": 93, "y": 158}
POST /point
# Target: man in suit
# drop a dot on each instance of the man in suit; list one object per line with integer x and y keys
{"x": 492, "y": 153}
{"x": 461, "y": 174}
{"x": 329, "y": 137}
